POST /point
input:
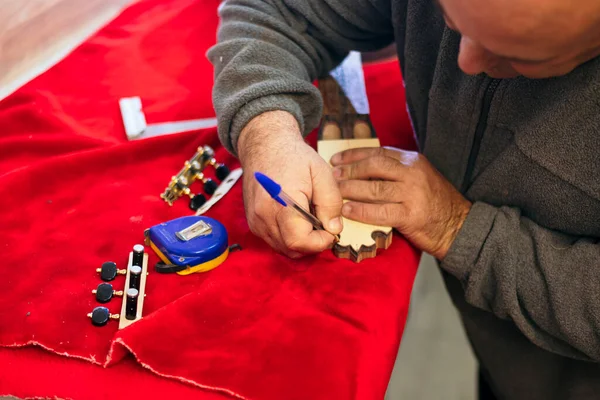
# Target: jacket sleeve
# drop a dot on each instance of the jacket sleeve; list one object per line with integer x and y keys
{"x": 269, "y": 52}
{"x": 546, "y": 282}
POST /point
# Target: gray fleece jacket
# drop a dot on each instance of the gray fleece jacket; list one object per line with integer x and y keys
{"x": 524, "y": 271}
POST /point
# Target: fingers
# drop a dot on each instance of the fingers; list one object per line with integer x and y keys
{"x": 298, "y": 236}
{"x": 326, "y": 198}
{"x": 286, "y": 231}
{"x": 275, "y": 241}
{"x": 304, "y": 175}
{"x": 371, "y": 191}
{"x": 353, "y": 155}
{"x": 270, "y": 233}
{"x": 375, "y": 214}
{"x": 405, "y": 157}
{"x": 375, "y": 167}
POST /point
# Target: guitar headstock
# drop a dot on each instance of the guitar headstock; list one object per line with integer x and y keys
{"x": 342, "y": 128}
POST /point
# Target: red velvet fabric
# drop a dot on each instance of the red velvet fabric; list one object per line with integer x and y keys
{"x": 34, "y": 373}
{"x": 74, "y": 193}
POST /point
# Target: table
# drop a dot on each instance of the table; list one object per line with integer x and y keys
{"x": 260, "y": 326}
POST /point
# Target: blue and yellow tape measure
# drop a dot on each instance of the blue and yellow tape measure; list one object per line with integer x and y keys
{"x": 189, "y": 244}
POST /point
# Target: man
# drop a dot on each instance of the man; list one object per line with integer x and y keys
{"x": 504, "y": 97}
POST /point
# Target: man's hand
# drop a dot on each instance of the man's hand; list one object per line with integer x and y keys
{"x": 401, "y": 189}
{"x": 272, "y": 144}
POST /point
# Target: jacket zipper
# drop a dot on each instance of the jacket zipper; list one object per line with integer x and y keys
{"x": 481, "y": 125}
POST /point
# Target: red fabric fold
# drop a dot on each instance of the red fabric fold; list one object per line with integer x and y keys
{"x": 75, "y": 193}
{"x": 31, "y": 373}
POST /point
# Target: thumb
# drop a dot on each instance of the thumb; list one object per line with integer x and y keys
{"x": 326, "y": 198}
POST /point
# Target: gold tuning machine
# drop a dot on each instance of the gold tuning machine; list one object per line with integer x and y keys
{"x": 192, "y": 171}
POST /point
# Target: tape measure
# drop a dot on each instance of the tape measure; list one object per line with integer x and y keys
{"x": 189, "y": 244}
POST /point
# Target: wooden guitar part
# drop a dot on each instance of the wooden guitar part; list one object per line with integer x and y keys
{"x": 343, "y": 128}
{"x": 358, "y": 240}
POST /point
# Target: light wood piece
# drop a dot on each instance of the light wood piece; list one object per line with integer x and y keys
{"x": 358, "y": 241}
{"x": 342, "y": 128}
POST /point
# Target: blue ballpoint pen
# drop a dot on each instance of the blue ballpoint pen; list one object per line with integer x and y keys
{"x": 275, "y": 191}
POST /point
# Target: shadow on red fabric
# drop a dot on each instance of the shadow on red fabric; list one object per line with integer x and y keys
{"x": 75, "y": 193}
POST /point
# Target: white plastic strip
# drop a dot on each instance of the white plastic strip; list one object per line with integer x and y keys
{"x": 136, "y": 126}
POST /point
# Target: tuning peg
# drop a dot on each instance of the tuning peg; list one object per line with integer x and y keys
{"x": 197, "y": 201}
{"x": 221, "y": 171}
{"x": 109, "y": 271}
{"x": 131, "y": 303}
{"x": 210, "y": 186}
{"x": 138, "y": 255}
{"x": 100, "y": 316}
{"x": 104, "y": 292}
{"x": 135, "y": 276}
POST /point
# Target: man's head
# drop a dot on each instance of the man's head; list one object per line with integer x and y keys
{"x": 533, "y": 38}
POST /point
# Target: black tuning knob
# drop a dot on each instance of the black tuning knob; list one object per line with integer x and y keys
{"x": 197, "y": 201}
{"x": 109, "y": 271}
{"x": 210, "y": 186}
{"x": 100, "y": 316}
{"x": 222, "y": 172}
{"x": 104, "y": 292}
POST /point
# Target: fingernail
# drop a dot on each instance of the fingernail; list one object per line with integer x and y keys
{"x": 337, "y": 172}
{"x": 336, "y": 158}
{"x": 346, "y": 209}
{"x": 335, "y": 224}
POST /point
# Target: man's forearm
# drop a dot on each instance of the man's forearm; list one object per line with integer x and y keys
{"x": 270, "y": 51}
{"x": 544, "y": 281}
{"x": 266, "y": 127}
